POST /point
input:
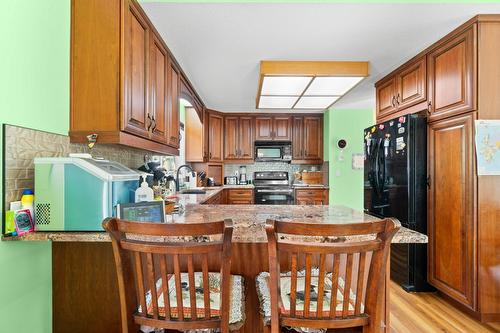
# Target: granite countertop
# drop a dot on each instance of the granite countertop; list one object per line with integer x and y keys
{"x": 248, "y": 221}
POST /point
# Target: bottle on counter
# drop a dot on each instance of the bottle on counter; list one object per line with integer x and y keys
{"x": 144, "y": 192}
{"x": 27, "y": 201}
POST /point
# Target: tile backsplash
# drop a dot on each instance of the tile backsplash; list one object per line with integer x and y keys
{"x": 230, "y": 169}
{"x": 22, "y": 145}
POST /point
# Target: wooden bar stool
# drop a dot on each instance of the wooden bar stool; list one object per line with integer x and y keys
{"x": 327, "y": 285}
{"x": 157, "y": 268}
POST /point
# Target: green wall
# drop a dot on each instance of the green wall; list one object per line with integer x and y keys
{"x": 346, "y": 184}
{"x": 34, "y": 92}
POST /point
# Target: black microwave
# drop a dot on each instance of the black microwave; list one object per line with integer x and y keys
{"x": 273, "y": 151}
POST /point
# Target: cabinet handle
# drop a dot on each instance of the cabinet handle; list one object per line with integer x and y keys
{"x": 210, "y": 155}
{"x": 239, "y": 152}
{"x": 397, "y": 99}
{"x": 150, "y": 122}
{"x": 236, "y": 152}
{"x": 429, "y": 107}
{"x": 393, "y": 101}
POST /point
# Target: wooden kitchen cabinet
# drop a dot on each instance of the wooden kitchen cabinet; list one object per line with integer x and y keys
{"x": 451, "y": 208}
{"x": 124, "y": 80}
{"x": 159, "y": 91}
{"x": 452, "y": 75}
{"x": 215, "y": 140}
{"x": 307, "y": 140}
{"x": 401, "y": 89}
{"x": 173, "y": 114}
{"x": 277, "y": 128}
{"x": 239, "y": 196}
{"x": 311, "y": 196}
{"x": 136, "y": 111}
{"x": 238, "y": 138}
{"x": 386, "y": 100}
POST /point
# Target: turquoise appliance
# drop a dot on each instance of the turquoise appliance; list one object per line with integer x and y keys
{"x": 77, "y": 194}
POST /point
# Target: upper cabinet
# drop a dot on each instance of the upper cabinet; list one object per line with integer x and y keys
{"x": 273, "y": 128}
{"x": 452, "y": 75}
{"x": 125, "y": 84}
{"x": 173, "y": 116}
{"x": 215, "y": 143}
{"x": 307, "y": 141}
{"x": 402, "y": 89}
{"x": 159, "y": 92}
{"x": 137, "y": 118}
{"x": 238, "y": 138}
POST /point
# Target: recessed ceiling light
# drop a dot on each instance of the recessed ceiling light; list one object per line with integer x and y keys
{"x": 277, "y": 102}
{"x": 332, "y": 85}
{"x": 315, "y": 102}
{"x": 284, "y": 85}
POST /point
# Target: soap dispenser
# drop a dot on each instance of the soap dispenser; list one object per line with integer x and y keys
{"x": 144, "y": 192}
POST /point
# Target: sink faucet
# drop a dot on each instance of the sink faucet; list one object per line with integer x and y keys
{"x": 177, "y": 176}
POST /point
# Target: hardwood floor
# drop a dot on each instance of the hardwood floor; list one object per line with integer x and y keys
{"x": 428, "y": 313}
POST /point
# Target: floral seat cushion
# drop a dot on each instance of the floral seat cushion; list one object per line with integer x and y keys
{"x": 237, "y": 301}
{"x": 262, "y": 282}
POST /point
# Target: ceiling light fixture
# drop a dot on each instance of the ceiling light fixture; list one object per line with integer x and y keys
{"x": 311, "y": 85}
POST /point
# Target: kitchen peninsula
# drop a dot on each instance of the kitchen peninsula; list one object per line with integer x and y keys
{"x": 84, "y": 276}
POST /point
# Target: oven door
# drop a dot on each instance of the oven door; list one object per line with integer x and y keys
{"x": 274, "y": 196}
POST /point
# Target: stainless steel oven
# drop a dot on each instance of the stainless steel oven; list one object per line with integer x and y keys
{"x": 273, "y": 188}
{"x": 273, "y": 151}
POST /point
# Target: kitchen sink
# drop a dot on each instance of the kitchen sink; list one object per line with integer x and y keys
{"x": 193, "y": 191}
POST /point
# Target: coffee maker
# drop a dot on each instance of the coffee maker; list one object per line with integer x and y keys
{"x": 243, "y": 175}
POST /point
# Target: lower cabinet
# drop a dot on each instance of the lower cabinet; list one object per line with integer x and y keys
{"x": 217, "y": 199}
{"x": 452, "y": 220}
{"x": 239, "y": 196}
{"x": 315, "y": 196}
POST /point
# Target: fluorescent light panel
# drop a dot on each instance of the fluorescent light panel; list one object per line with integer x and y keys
{"x": 315, "y": 102}
{"x": 277, "y": 102}
{"x": 332, "y": 85}
{"x": 284, "y": 85}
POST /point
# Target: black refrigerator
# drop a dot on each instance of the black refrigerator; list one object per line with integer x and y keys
{"x": 395, "y": 185}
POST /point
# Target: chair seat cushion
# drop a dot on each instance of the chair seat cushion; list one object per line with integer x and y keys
{"x": 237, "y": 300}
{"x": 263, "y": 291}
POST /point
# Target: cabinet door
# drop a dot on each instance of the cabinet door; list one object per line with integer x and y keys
{"x": 230, "y": 138}
{"x": 245, "y": 138}
{"x": 452, "y": 76}
{"x": 451, "y": 212}
{"x": 412, "y": 84}
{"x": 298, "y": 138}
{"x": 136, "y": 119}
{"x": 263, "y": 128}
{"x": 282, "y": 128}
{"x": 173, "y": 111}
{"x": 386, "y": 97}
{"x": 313, "y": 138}
{"x": 159, "y": 93}
{"x": 215, "y": 138}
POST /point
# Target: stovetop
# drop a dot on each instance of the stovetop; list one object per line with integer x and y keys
{"x": 271, "y": 178}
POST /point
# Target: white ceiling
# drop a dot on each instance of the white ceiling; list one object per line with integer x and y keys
{"x": 219, "y": 45}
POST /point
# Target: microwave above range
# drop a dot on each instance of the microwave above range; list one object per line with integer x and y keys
{"x": 273, "y": 151}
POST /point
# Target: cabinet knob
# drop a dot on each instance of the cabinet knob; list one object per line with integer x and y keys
{"x": 429, "y": 107}
{"x": 393, "y": 101}
{"x": 397, "y": 99}
{"x": 149, "y": 122}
